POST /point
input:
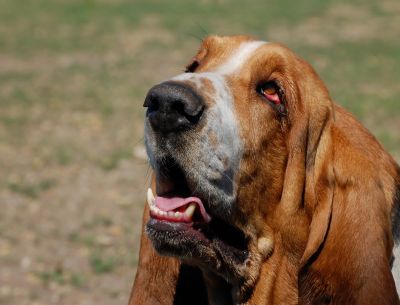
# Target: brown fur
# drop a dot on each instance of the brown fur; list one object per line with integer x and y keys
{"x": 316, "y": 195}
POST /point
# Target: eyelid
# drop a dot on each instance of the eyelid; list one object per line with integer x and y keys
{"x": 275, "y": 97}
{"x": 270, "y": 86}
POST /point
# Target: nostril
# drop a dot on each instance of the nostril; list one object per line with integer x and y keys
{"x": 180, "y": 107}
{"x": 195, "y": 118}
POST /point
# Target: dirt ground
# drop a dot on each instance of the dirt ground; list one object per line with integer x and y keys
{"x": 73, "y": 76}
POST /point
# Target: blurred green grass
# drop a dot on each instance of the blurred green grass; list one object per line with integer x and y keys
{"x": 73, "y": 76}
{"x": 82, "y": 55}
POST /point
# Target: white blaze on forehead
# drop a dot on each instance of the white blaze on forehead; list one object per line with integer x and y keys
{"x": 223, "y": 99}
{"x": 222, "y": 119}
{"x": 234, "y": 63}
{"x": 223, "y": 96}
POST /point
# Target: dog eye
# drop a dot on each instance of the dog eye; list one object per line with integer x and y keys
{"x": 192, "y": 67}
{"x": 270, "y": 91}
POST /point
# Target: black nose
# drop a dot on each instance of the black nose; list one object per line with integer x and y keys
{"x": 173, "y": 107}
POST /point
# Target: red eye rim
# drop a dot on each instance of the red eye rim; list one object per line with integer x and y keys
{"x": 270, "y": 91}
{"x": 273, "y": 93}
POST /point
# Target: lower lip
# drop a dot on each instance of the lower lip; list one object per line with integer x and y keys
{"x": 183, "y": 228}
{"x": 165, "y": 225}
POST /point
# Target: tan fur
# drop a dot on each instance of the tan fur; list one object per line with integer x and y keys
{"x": 317, "y": 190}
{"x": 154, "y": 270}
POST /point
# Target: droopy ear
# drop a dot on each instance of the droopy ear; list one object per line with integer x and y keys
{"x": 309, "y": 113}
{"x": 164, "y": 280}
{"x": 309, "y": 172}
{"x": 319, "y": 183}
{"x": 346, "y": 258}
{"x": 337, "y": 176}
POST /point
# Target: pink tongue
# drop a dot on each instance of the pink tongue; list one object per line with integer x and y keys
{"x": 169, "y": 204}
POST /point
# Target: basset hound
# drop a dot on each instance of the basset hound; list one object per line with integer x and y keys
{"x": 265, "y": 191}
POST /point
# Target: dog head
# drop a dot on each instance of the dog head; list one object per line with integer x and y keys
{"x": 219, "y": 138}
{"x": 247, "y": 148}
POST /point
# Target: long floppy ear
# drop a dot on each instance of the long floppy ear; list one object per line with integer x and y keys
{"x": 347, "y": 257}
{"x": 309, "y": 176}
{"x": 347, "y": 198}
{"x": 164, "y": 280}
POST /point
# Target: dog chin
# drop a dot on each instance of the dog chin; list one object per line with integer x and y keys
{"x": 190, "y": 245}
{"x": 178, "y": 239}
{"x": 209, "y": 243}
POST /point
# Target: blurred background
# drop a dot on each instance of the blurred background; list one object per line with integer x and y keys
{"x": 73, "y": 76}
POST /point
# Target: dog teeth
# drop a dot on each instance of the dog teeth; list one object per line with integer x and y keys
{"x": 150, "y": 198}
{"x": 170, "y": 215}
{"x": 190, "y": 210}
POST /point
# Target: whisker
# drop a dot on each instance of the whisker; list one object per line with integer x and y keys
{"x": 205, "y": 32}
{"x": 194, "y": 36}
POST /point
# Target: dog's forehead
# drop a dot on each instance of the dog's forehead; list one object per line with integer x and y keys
{"x": 221, "y": 58}
{"x": 226, "y": 55}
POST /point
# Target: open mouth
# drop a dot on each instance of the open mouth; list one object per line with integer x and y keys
{"x": 177, "y": 209}
{"x": 175, "y": 202}
{"x": 181, "y": 225}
